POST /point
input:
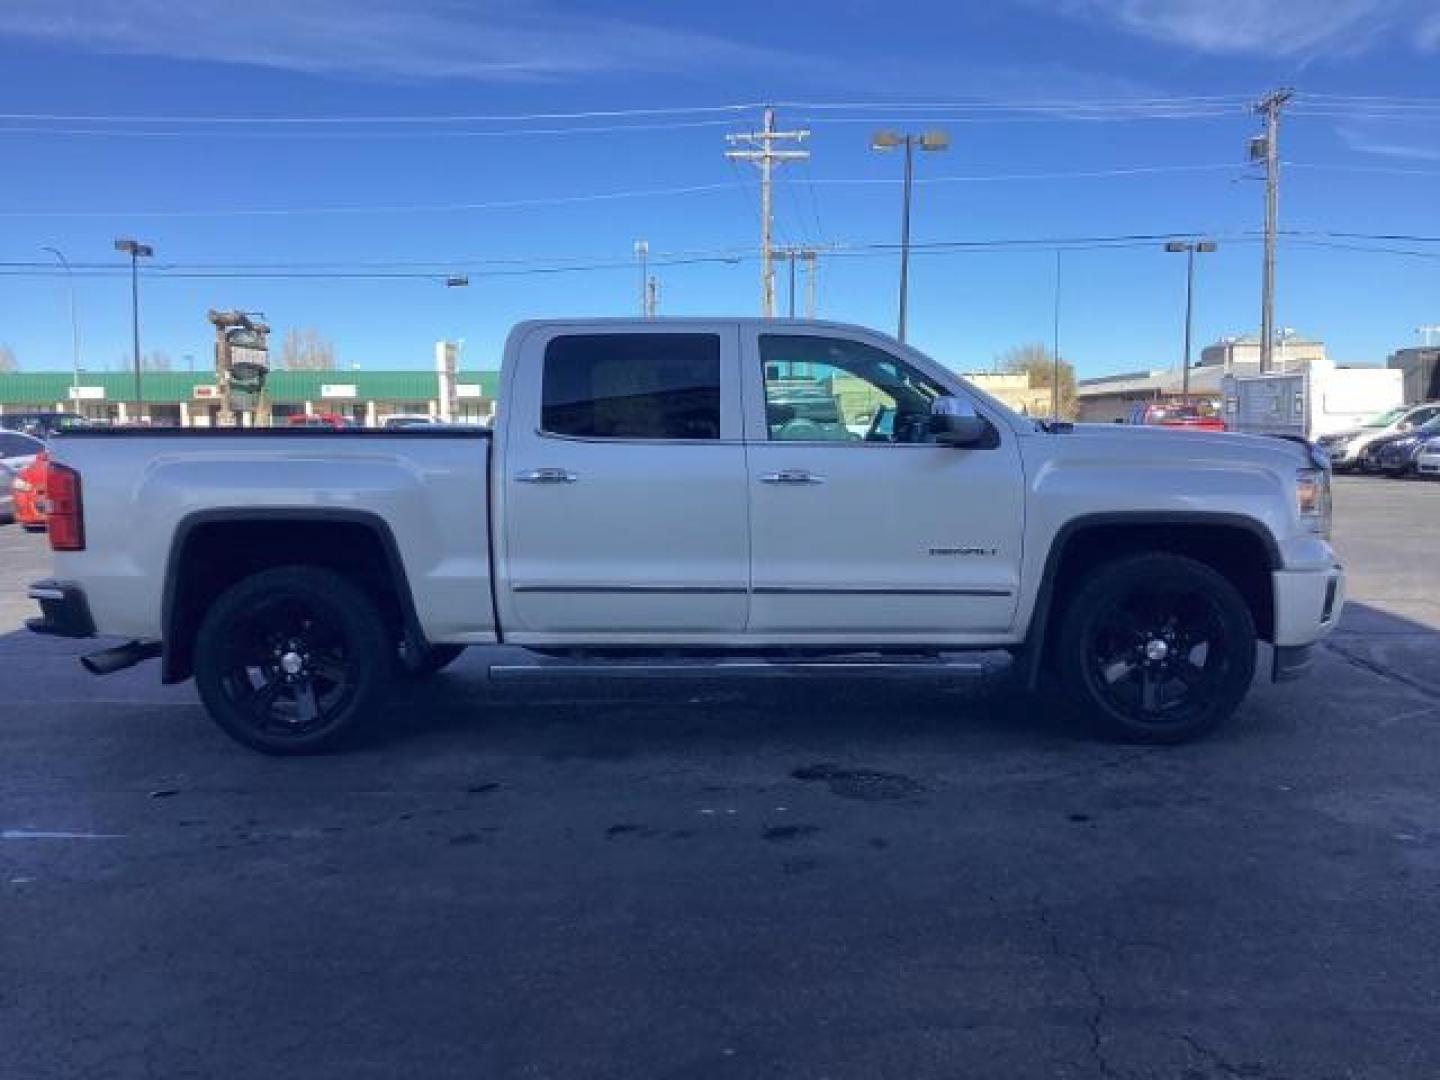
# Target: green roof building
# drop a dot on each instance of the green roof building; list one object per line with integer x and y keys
{"x": 192, "y": 399}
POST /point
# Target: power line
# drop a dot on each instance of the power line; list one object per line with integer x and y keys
{"x": 433, "y": 269}
{"x": 958, "y": 105}
{"x": 501, "y": 204}
{"x": 369, "y": 135}
{"x": 560, "y": 200}
{"x": 434, "y": 118}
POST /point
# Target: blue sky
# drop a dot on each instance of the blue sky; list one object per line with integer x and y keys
{"x": 1048, "y": 87}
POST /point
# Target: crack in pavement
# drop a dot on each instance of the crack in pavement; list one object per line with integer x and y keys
{"x": 1246, "y": 1071}
{"x": 1100, "y": 1005}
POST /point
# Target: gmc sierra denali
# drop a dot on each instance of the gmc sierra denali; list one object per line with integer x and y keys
{"x": 741, "y": 493}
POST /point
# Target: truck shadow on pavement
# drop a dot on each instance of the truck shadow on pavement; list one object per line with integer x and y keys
{"x": 607, "y": 717}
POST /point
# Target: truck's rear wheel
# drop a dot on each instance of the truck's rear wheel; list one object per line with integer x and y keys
{"x": 292, "y": 660}
{"x": 1156, "y": 648}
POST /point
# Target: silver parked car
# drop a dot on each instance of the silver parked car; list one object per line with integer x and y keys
{"x": 1345, "y": 447}
{"x": 18, "y": 449}
{"x": 7, "y": 494}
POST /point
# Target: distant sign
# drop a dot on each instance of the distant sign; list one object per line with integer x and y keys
{"x": 87, "y": 393}
{"x": 337, "y": 390}
{"x": 205, "y": 392}
{"x": 468, "y": 390}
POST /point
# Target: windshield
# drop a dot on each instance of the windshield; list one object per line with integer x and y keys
{"x": 1385, "y": 419}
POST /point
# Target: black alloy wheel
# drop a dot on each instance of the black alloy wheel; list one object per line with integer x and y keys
{"x": 292, "y": 660}
{"x": 1157, "y": 648}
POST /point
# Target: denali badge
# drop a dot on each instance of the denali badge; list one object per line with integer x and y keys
{"x": 963, "y": 550}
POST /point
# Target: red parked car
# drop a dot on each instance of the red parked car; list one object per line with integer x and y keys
{"x": 30, "y": 493}
{"x": 1175, "y": 415}
{"x": 321, "y": 420}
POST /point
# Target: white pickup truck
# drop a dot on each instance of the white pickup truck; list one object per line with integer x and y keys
{"x": 731, "y": 493}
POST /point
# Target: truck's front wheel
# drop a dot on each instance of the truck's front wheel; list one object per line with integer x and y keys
{"x": 1156, "y": 648}
{"x": 292, "y": 660}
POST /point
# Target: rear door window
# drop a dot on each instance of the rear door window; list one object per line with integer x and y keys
{"x": 632, "y": 386}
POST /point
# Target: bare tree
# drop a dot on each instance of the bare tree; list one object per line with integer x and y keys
{"x": 306, "y": 350}
{"x": 156, "y": 361}
{"x": 1037, "y": 363}
{"x": 8, "y": 363}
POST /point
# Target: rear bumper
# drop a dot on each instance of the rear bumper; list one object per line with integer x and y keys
{"x": 1308, "y": 604}
{"x": 64, "y": 611}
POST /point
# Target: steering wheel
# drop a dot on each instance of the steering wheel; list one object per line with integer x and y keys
{"x": 800, "y": 430}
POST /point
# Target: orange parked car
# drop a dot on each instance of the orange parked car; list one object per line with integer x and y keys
{"x": 30, "y": 494}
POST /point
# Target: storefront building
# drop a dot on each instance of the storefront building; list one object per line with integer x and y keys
{"x": 192, "y": 399}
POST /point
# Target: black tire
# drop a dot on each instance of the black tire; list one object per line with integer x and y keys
{"x": 293, "y": 660}
{"x": 1156, "y": 648}
{"x": 434, "y": 660}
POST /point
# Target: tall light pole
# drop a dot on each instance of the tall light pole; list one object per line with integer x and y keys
{"x": 74, "y": 318}
{"x": 136, "y": 251}
{"x": 1189, "y": 247}
{"x": 891, "y": 140}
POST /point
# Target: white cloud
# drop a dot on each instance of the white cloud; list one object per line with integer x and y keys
{"x": 1428, "y": 36}
{"x": 504, "y": 40}
{"x": 1261, "y": 27}
{"x": 1393, "y": 141}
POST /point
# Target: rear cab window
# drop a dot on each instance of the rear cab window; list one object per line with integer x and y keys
{"x": 632, "y": 386}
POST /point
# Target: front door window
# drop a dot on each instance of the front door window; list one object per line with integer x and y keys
{"x": 820, "y": 389}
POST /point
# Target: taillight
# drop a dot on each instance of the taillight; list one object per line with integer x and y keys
{"x": 65, "y": 514}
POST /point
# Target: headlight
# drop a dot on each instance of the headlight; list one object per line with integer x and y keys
{"x": 1312, "y": 499}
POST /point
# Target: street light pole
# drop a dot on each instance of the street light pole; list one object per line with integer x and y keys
{"x": 1190, "y": 248}
{"x": 890, "y": 140}
{"x": 136, "y": 251}
{"x": 74, "y": 319}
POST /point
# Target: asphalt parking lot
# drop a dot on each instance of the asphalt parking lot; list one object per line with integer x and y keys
{"x": 692, "y": 879}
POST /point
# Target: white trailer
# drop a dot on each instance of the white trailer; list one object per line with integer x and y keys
{"x": 1309, "y": 401}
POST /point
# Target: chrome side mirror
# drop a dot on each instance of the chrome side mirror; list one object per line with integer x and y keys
{"x": 954, "y": 422}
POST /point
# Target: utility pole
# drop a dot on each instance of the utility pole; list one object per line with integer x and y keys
{"x": 1267, "y": 145}
{"x": 760, "y": 151}
{"x": 652, "y": 297}
{"x": 642, "y": 253}
{"x": 810, "y": 260}
{"x": 793, "y": 255}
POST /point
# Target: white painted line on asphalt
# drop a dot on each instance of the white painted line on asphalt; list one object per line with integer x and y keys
{"x": 39, "y": 834}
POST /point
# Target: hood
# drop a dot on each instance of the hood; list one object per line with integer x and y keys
{"x": 1201, "y": 443}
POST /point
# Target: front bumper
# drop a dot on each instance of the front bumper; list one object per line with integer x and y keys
{"x": 1308, "y": 604}
{"x": 64, "y": 612}
{"x": 1428, "y": 463}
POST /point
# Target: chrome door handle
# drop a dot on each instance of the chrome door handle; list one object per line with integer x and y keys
{"x": 546, "y": 476}
{"x": 791, "y": 476}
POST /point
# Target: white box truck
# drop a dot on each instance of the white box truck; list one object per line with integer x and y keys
{"x": 1309, "y": 401}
